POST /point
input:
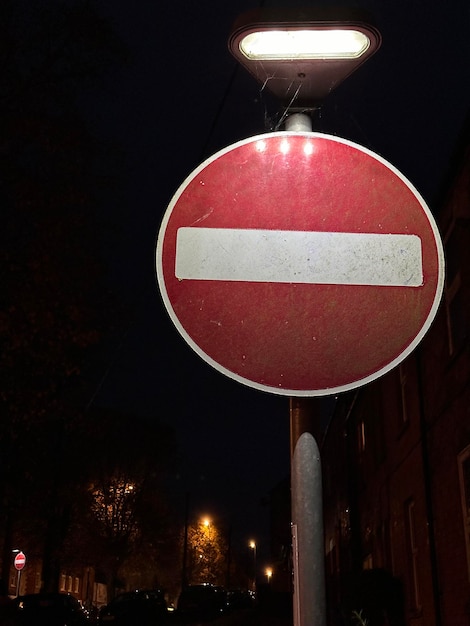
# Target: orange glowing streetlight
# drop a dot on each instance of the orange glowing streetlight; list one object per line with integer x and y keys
{"x": 207, "y": 524}
{"x": 252, "y": 546}
{"x": 269, "y": 573}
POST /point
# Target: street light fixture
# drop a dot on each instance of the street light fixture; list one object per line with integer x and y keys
{"x": 207, "y": 524}
{"x": 252, "y": 546}
{"x": 300, "y": 56}
{"x": 269, "y": 574}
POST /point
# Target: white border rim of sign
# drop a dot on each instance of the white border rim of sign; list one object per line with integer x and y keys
{"x": 280, "y": 390}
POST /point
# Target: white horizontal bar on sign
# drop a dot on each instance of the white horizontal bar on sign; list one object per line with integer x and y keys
{"x": 298, "y": 257}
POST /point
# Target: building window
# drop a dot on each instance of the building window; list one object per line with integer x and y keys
{"x": 407, "y": 393}
{"x": 63, "y": 581}
{"x": 457, "y": 325}
{"x": 404, "y": 391}
{"x": 332, "y": 558}
{"x": 361, "y": 436}
{"x": 464, "y": 478}
{"x": 456, "y": 322}
{"x": 412, "y": 551}
{"x": 76, "y": 586}
{"x": 368, "y": 562}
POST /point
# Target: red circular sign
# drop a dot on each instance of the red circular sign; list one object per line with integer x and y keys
{"x": 300, "y": 263}
{"x": 20, "y": 561}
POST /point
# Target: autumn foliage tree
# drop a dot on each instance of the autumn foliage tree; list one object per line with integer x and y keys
{"x": 127, "y": 523}
{"x": 207, "y": 553}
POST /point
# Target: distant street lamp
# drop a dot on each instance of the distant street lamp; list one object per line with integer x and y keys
{"x": 252, "y": 545}
{"x": 269, "y": 574}
{"x": 206, "y": 522}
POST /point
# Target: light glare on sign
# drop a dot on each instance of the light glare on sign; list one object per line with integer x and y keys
{"x": 304, "y": 44}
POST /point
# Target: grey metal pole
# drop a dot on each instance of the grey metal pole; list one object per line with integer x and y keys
{"x": 307, "y": 521}
{"x": 306, "y": 492}
{"x": 299, "y": 122}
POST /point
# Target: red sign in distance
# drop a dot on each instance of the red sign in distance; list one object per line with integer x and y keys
{"x": 300, "y": 263}
{"x": 20, "y": 561}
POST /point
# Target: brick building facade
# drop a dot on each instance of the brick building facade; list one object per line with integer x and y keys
{"x": 396, "y": 459}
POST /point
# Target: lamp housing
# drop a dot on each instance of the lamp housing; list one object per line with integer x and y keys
{"x": 301, "y": 55}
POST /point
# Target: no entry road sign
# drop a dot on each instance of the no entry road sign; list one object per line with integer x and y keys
{"x": 300, "y": 263}
{"x": 20, "y": 561}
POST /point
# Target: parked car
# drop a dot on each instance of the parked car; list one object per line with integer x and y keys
{"x": 135, "y": 608}
{"x": 201, "y": 602}
{"x": 50, "y": 609}
{"x": 240, "y": 599}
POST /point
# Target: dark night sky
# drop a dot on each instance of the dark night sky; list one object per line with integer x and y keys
{"x": 181, "y": 99}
